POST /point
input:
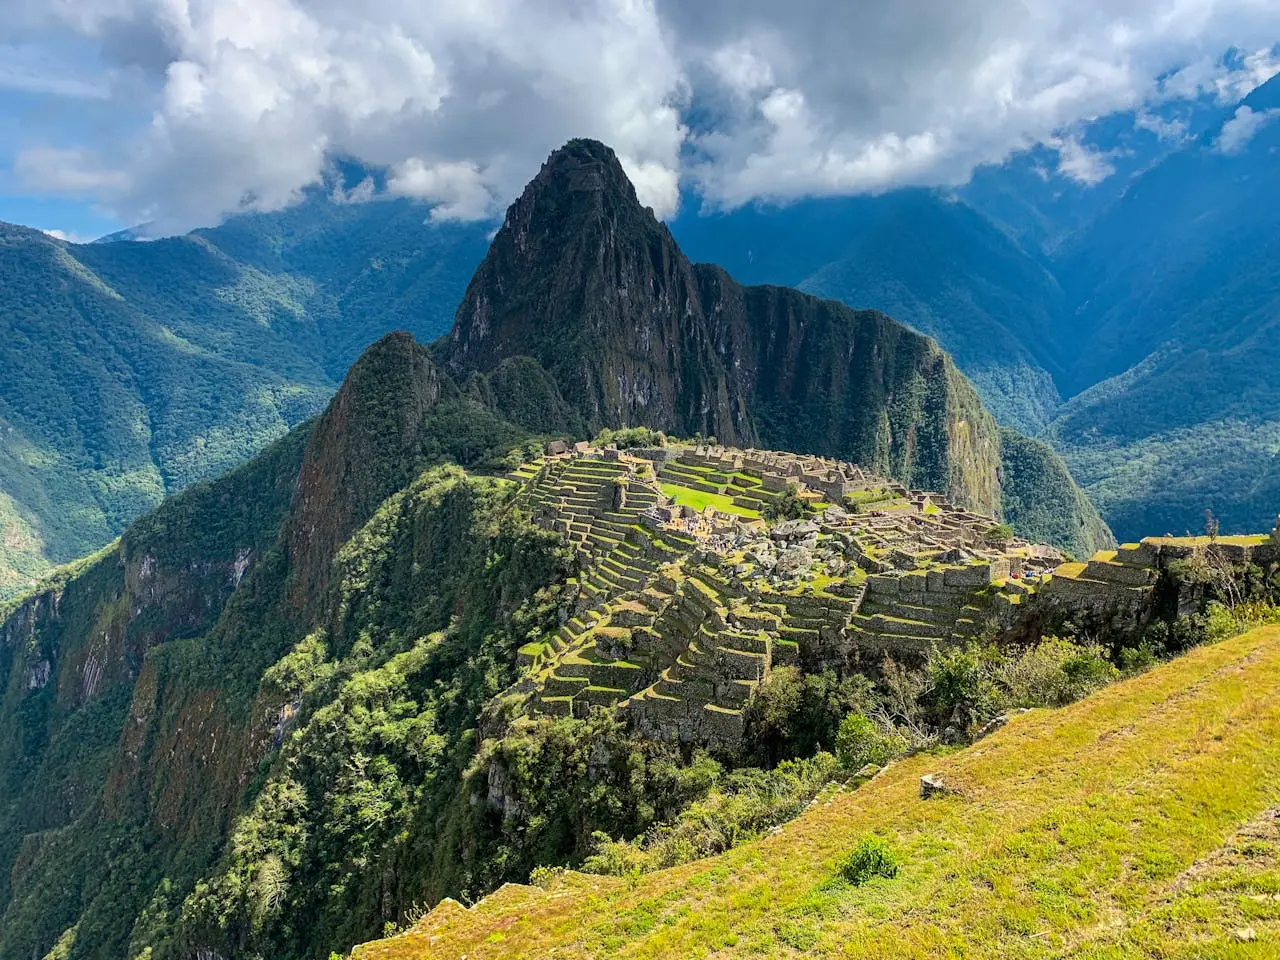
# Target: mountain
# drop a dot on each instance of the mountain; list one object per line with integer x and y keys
{"x": 1127, "y": 322}
{"x": 382, "y": 664}
{"x": 594, "y": 289}
{"x": 134, "y": 369}
{"x": 401, "y": 654}
{"x": 1178, "y": 324}
{"x": 924, "y": 258}
{"x": 138, "y": 701}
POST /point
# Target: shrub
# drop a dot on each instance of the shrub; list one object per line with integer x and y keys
{"x": 795, "y": 714}
{"x": 744, "y": 805}
{"x": 625, "y": 438}
{"x": 859, "y": 742}
{"x": 1144, "y": 656}
{"x": 546, "y": 877}
{"x": 1054, "y": 672}
{"x": 1000, "y": 533}
{"x": 789, "y": 506}
{"x": 871, "y": 858}
{"x": 960, "y": 685}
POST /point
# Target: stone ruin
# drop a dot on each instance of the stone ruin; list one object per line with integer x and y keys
{"x": 687, "y": 597}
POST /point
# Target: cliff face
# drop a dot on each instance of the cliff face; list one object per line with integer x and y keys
{"x": 590, "y": 285}
{"x": 364, "y": 448}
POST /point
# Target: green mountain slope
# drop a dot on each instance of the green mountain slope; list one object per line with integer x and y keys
{"x": 295, "y": 701}
{"x": 1140, "y": 822}
{"x": 138, "y": 707}
{"x": 135, "y": 369}
{"x": 1180, "y": 290}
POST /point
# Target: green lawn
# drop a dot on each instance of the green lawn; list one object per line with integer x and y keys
{"x": 699, "y": 500}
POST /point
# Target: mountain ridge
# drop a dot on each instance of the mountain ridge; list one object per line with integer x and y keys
{"x": 295, "y": 699}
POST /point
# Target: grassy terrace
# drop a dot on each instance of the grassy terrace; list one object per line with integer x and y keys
{"x": 700, "y": 500}
{"x": 1244, "y": 540}
{"x": 1132, "y": 824}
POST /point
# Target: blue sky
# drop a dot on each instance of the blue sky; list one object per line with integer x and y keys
{"x": 24, "y": 115}
{"x": 181, "y": 112}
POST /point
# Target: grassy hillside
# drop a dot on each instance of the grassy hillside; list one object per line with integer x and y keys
{"x": 1139, "y": 822}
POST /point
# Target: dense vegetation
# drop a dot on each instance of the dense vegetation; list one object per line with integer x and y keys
{"x": 135, "y": 369}
{"x": 282, "y": 714}
{"x": 1042, "y": 501}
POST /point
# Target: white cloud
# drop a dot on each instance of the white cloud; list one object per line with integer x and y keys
{"x": 1228, "y": 82}
{"x": 458, "y": 189}
{"x": 68, "y": 236}
{"x": 1080, "y": 162}
{"x": 1164, "y": 129}
{"x": 1240, "y": 129}
{"x": 246, "y": 100}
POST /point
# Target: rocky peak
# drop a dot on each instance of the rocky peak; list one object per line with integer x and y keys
{"x": 583, "y": 169}
{"x": 590, "y": 284}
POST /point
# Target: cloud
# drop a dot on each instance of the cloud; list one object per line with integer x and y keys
{"x": 1240, "y": 129}
{"x": 69, "y": 172}
{"x": 1081, "y": 163}
{"x": 69, "y": 236}
{"x": 457, "y": 189}
{"x": 1227, "y": 80}
{"x": 1172, "y": 129}
{"x": 245, "y": 101}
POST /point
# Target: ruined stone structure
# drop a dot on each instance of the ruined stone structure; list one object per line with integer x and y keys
{"x": 688, "y": 597}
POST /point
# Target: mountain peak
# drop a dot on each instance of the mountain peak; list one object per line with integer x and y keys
{"x": 584, "y": 165}
{"x": 585, "y": 281}
{"x": 361, "y": 449}
{"x": 580, "y": 269}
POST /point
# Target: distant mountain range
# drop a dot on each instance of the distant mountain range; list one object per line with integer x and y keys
{"x": 1131, "y": 323}
{"x": 135, "y": 369}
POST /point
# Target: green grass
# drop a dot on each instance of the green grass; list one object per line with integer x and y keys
{"x": 699, "y": 500}
{"x": 1246, "y": 540}
{"x": 1131, "y": 824}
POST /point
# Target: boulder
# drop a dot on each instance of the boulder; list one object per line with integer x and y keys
{"x": 795, "y": 560}
{"x": 932, "y": 785}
